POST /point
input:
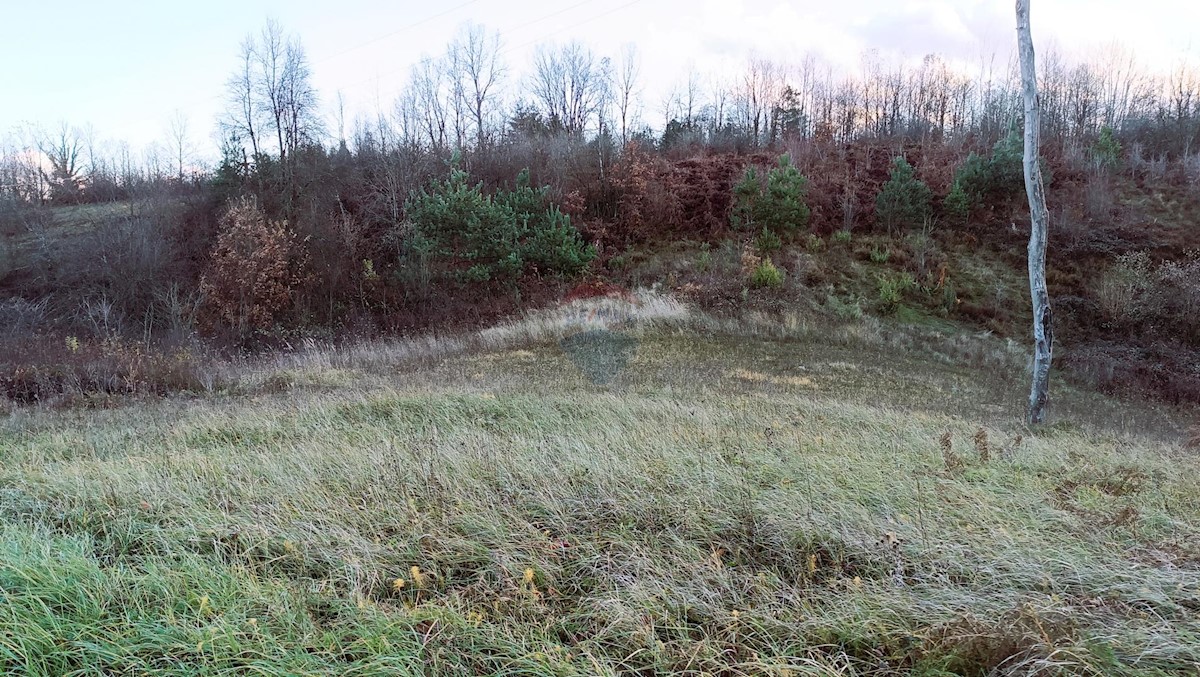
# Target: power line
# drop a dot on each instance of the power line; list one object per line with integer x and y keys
{"x": 541, "y": 38}
{"x": 548, "y": 16}
{"x": 219, "y": 97}
{"x": 507, "y": 31}
{"x": 577, "y": 25}
{"x": 396, "y": 32}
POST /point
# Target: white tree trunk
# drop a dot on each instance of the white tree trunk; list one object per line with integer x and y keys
{"x": 1043, "y": 337}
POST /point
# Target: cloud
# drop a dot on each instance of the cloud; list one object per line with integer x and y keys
{"x": 954, "y": 30}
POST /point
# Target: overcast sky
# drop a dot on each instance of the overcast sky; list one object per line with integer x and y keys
{"x": 124, "y": 66}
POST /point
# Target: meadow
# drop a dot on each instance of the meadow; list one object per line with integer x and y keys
{"x": 760, "y": 496}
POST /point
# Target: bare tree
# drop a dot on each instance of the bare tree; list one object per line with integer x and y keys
{"x": 242, "y": 117}
{"x": 271, "y": 91}
{"x": 757, "y": 95}
{"x": 181, "y": 145}
{"x": 425, "y": 104}
{"x": 570, "y": 83}
{"x": 271, "y": 56}
{"x": 628, "y": 76}
{"x": 478, "y": 72}
{"x": 1043, "y": 337}
{"x": 691, "y": 101}
{"x": 62, "y": 150}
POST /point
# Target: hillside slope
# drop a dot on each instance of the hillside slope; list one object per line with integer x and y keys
{"x": 754, "y": 498}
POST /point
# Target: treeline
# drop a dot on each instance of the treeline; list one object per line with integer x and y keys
{"x": 466, "y": 200}
{"x": 470, "y": 99}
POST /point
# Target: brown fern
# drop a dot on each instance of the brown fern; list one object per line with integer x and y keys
{"x": 981, "y": 445}
{"x": 953, "y": 461}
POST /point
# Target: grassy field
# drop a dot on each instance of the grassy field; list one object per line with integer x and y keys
{"x": 760, "y": 497}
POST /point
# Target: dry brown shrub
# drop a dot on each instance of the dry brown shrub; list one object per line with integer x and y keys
{"x": 255, "y": 268}
{"x": 60, "y": 369}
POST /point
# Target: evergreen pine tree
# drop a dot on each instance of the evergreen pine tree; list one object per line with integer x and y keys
{"x": 904, "y": 200}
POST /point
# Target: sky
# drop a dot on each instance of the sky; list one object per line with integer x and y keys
{"x": 126, "y": 67}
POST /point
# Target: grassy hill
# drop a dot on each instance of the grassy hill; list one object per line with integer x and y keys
{"x": 771, "y": 495}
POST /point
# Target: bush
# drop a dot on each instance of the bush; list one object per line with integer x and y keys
{"x": 780, "y": 207}
{"x": 956, "y": 206}
{"x": 999, "y": 178}
{"x": 892, "y": 289}
{"x": 904, "y": 201}
{"x": 704, "y": 258}
{"x": 1134, "y": 292}
{"x": 1106, "y": 153}
{"x": 766, "y": 274}
{"x": 47, "y": 368}
{"x": 880, "y": 254}
{"x": 254, "y": 270}
{"x": 767, "y": 242}
{"x": 746, "y": 194}
{"x": 783, "y": 208}
{"x": 842, "y": 236}
{"x": 554, "y": 245}
{"x": 494, "y": 236}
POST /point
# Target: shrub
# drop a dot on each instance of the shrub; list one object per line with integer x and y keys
{"x": 999, "y": 178}
{"x": 746, "y": 194}
{"x": 255, "y": 267}
{"x": 880, "y": 254}
{"x": 766, "y": 274}
{"x": 780, "y": 207}
{"x": 783, "y": 207}
{"x": 1136, "y": 292}
{"x": 956, "y": 206}
{"x": 704, "y": 258}
{"x": 1007, "y": 166}
{"x": 494, "y": 236}
{"x": 767, "y": 241}
{"x": 973, "y": 178}
{"x": 893, "y": 288}
{"x": 1106, "y": 153}
{"x": 904, "y": 201}
{"x": 950, "y": 300}
{"x": 847, "y": 310}
{"x": 842, "y": 236}
{"x": 554, "y": 245}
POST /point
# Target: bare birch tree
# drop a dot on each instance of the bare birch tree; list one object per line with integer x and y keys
{"x": 1043, "y": 337}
